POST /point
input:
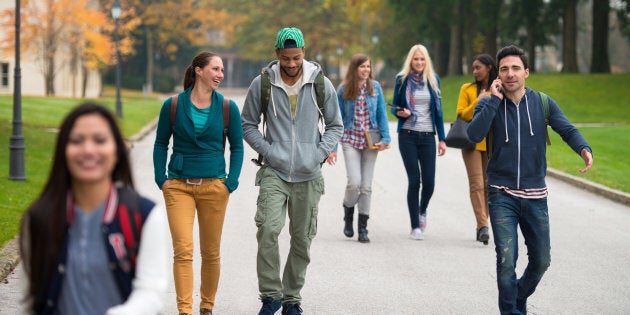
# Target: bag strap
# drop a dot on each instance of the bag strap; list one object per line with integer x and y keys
{"x": 545, "y": 104}
{"x": 320, "y": 94}
{"x": 226, "y": 119}
{"x": 130, "y": 221}
{"x": 225, "y": 113}
{"x": 173, "y": 111}
{"x": 265, "y": 93}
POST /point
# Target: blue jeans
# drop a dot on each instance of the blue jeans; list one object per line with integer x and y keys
{"x": 418, "y": 154}
{"x": 506, "y": 214}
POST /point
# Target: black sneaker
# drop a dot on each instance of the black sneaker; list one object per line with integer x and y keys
{"x": 291, "y": 309}
{"x": 270, "y": 306}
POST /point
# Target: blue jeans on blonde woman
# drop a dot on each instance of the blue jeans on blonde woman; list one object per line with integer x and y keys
{"x": 418, "y": 153}
{"x": 507, "y": 212}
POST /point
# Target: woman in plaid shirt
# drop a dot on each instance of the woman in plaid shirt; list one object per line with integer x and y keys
{"x": 362, "y": 107}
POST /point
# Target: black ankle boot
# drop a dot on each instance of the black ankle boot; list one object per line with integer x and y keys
{"x": 483, "y": 235}
{"x": 363, "y": 232}
{"x": 349, "y": 213}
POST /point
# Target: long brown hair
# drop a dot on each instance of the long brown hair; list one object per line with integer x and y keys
{"x": 201, "y": 60}
{"x": 44, "y": 225}
{"x": 350, "y": 83}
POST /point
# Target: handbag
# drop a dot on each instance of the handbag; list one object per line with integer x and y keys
{"x": 457, "y": 136}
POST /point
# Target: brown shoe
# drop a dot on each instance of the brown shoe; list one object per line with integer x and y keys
{"x": 205, "y": 311}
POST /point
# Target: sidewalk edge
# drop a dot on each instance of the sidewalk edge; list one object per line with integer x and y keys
{"x": 612, "y": 194}
{"x": 9, "y": 258}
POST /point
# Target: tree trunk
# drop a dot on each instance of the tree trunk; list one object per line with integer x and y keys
{"x": 599, "y": 58}
{"x": 531, "y": 47}
{"x": 455, "y": 55}
{"x": 569, "y": 37}
{"x": 149, "y": 75}
{"x": 438, "y": 56}
{"x": 491, "y": 25}
{"x": 84, "y": 82}
{"x": 50, "y": 50}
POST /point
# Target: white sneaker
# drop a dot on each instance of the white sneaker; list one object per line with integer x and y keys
{"x": 416, "y": 234}
{"x": 423, "y": 222}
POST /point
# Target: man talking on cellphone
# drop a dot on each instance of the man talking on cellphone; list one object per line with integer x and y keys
{"x": 513, "y": 119}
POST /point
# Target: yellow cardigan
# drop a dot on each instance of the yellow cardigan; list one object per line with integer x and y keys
{"x": 466, "y": 107}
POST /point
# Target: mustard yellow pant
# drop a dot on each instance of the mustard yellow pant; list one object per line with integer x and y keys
{"x": 209, "y": 201}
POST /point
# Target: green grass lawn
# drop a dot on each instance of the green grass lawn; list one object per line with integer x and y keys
{"x": 40, "y": 118}
{"x": 601, "y": 101}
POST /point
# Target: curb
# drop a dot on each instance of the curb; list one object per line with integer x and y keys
{"x": 9, "y": 258}
{"x": 612, "y": 194}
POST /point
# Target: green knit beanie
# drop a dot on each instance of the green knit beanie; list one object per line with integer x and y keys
{"x": 289, "y": 37}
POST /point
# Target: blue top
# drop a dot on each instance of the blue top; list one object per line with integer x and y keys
{"x": 519, "y": 150}
{"x": 198, "y": 155}
{"x": 400, "y": 100}
{"x": 89, "y": 286}
{"x": 376, "y": 109}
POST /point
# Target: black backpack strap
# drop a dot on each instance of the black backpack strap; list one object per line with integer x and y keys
{"x": 265, "y": 95}
{"x": 320, "y": 92}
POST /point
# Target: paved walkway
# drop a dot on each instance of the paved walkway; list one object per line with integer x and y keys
{"x": 447, "y": 273}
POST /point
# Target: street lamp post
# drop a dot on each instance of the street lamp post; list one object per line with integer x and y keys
{"x": 116, "y": 15}
{"x": 16, "y": 144}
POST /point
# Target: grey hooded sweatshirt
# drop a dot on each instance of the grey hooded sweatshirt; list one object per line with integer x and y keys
{"x": 293, "y": 147}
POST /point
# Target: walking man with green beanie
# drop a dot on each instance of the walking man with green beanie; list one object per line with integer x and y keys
{"x": 296, "y": 140}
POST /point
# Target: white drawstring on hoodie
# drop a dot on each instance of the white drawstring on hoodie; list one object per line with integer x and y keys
{"x": 529, "y": 118}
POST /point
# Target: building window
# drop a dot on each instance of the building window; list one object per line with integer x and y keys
{"x": 4, "y": 75}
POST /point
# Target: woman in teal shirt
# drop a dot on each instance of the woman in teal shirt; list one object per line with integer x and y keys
{"x": 196, "y": 177}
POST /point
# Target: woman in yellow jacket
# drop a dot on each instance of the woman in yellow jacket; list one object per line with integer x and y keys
{"x": 476, "y": 160}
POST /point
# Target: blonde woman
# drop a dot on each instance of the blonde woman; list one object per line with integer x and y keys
{"x": 418, "y": 107}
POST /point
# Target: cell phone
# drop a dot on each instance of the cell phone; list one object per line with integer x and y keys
{"x": 396, "y": 107}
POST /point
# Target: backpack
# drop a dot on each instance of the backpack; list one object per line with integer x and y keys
{"x": 265, "y": 92}
{"x": 226, "y": 116}
{"x": 545, "y": 105}
{"x": 131, "y": 209}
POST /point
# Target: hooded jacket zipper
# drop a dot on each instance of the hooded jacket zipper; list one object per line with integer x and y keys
{"x": 518, "y": 147}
